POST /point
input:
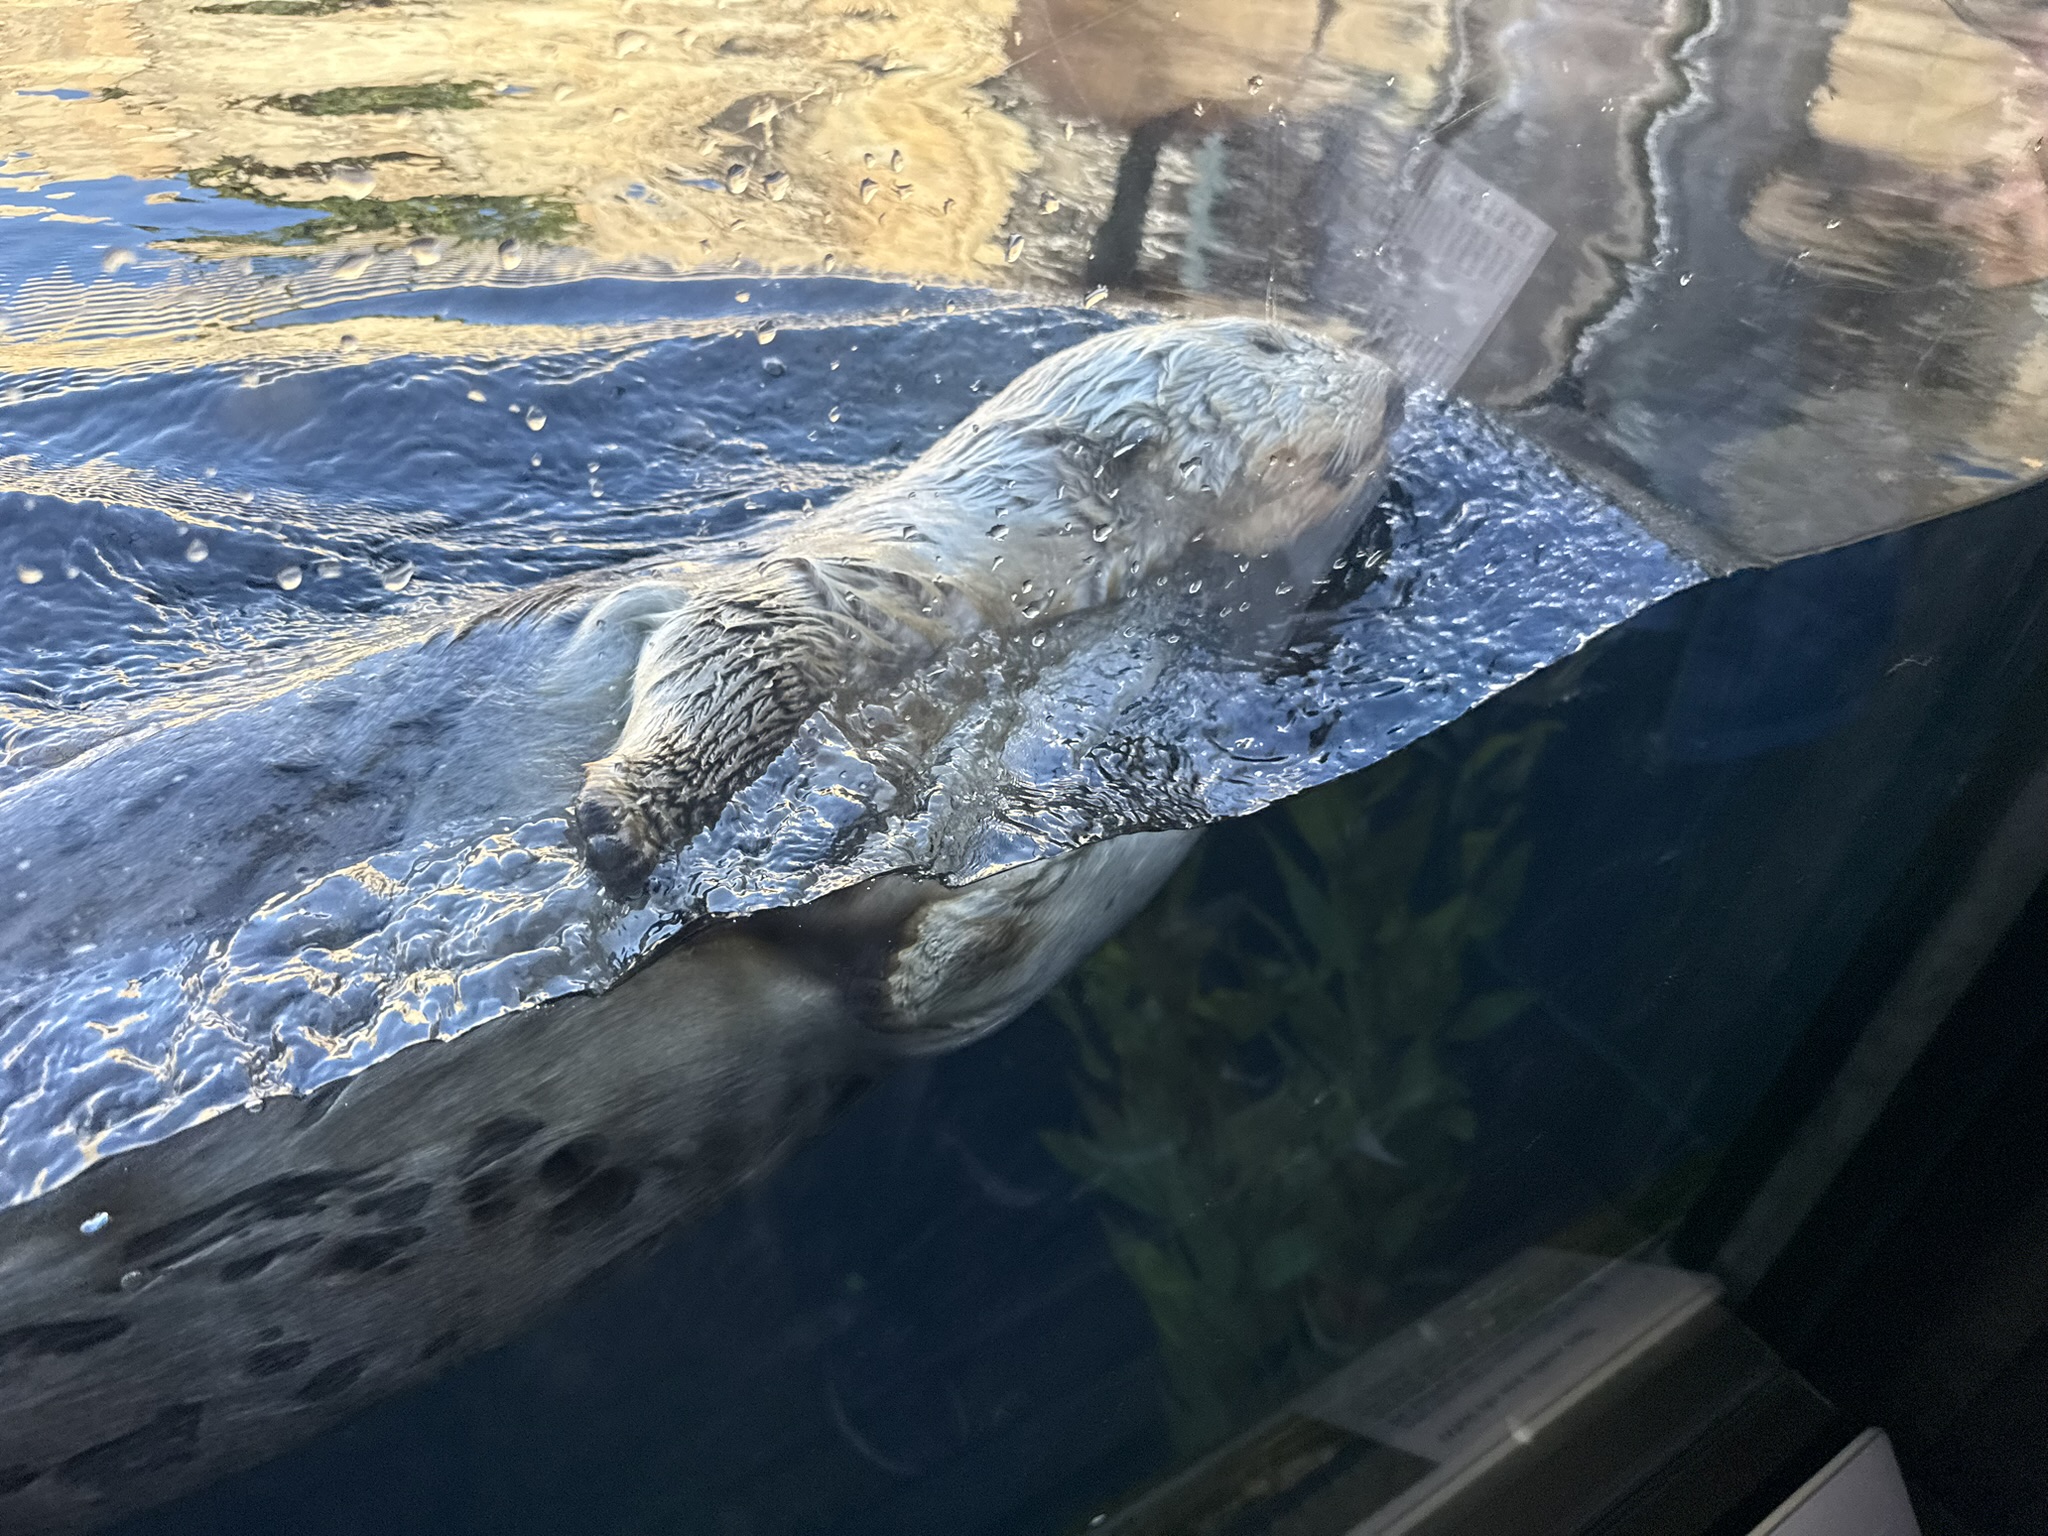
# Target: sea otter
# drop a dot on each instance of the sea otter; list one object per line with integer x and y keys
{"x": 233, "y": 902}
{"x": 1091, "y": 475}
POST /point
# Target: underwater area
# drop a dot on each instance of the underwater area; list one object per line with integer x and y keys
{"x": 1398, "y": 911}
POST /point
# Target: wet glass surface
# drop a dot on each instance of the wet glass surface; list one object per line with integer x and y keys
{"x": 332, "y": 331}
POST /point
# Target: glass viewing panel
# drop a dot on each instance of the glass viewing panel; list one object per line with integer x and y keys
{"x": 1013, "y": 766}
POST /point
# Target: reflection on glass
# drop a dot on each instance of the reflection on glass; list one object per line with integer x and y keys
{"x": 423, "y": 429}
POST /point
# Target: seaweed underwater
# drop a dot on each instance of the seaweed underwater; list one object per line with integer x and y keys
{"x": 1267, "y": 1086}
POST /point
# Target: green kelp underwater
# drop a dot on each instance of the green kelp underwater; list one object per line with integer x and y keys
{"x": 1265, "y": 1086}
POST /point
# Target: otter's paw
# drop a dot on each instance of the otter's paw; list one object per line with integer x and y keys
{"x": 616, "y": 842}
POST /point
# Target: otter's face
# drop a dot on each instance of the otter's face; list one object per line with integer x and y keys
{"x": 1250, "y": 434}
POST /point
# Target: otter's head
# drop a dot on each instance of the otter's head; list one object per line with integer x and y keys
{"x": 1250, "y": 434}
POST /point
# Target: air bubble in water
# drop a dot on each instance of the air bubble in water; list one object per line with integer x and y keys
{"x": 120, "y": 256}
{"x": 290, "y": 577}
{"x": 28, "y": 575}
{"x": 196, "y": 551}
{"x": 736, "y": 178}
{"x": 398, "y": 578}
{"x": 509, "y": 254}
{"x": 536, "y": 418}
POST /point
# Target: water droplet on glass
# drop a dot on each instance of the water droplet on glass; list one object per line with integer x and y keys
{"x": 765, "y": 332}
{"x": 735, "y": 178}
{"x": 829, "y": 262}
{"x": 28, "y": 575}
{"x": 833, "y": 414}
{"x": 1200, "y": 110}
{"x": 1014, "y": 248}
{"x": 1685, "y": 279}
{"x": 896, "y": 161}
{"x": 1256, "y": 84}
{"x": 132, "y": 1280}
{"x": 425, "y": 251}
{"x": 290, "y": 577}
{"x": 509, "y": 254}
{"x": 347, "y": 344}
{"x": 196, "y": 551}
{"x": 120, "y": 256}
{"x": 1194, "y": 587}
{"x": 1834, "y": 224}
{"x": 626, "y": 44}
{"x": 327, "y": 570}
{"x": 1048, "y": 204}
{"x": 1038, "y": 639}
{"x": 776, "y": 185}
{"x": 349, "y": 268}
{"x": 618, "y": 114}
{"x": 536, "y": 418}
{"x": 96, "y": 1222}
{"x": 534, "y": 461}
{"x": 398, "y": 578}
{"x": 475, "y": 394}
{"x": 1100, "y": 533}
{"x": 868, "y": 188}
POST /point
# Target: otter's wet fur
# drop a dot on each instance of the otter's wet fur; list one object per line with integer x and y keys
{"x": 1091, "y": 475}
{"x": 264, "y": 1274}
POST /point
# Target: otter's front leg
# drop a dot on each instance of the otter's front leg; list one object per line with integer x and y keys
{"x": 719, "y": 691}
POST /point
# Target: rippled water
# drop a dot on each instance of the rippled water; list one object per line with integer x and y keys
{"x": 190, "y": 542}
